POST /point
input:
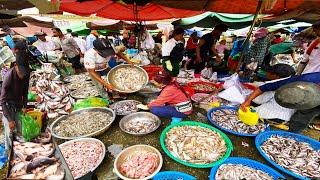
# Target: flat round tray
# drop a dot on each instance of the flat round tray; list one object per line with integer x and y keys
{"x": 262, "y": 137}
{"x": 96, "y": 133}
{"x": 247, "y": 162}
{"x": 72, "y": 94}
{"x": 192, "y": 123}
{"x": 89, "y": 140}
{"x": 228, "y": 130}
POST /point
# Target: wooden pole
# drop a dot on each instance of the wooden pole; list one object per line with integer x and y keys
{"x": 245, "y": 43}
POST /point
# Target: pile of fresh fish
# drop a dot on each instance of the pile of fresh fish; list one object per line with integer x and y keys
{"x": 139, "y": 164}
{"x": 125, "y": 107}
{"x": 228, "y": 119}
{"x": 54, "y": 96}
{"x": 239, "y": 172}
{"x": 194, "y": 144}
{"x": 35, "y": 160}
{"x": 79, "y": 85}
{"x": 85, "y": 92}
{"x": 136, "y": 125}
{"x": 298, "y": 157}
{"x": 129, "y": 79}
{"x": 82, "y": 123}
{"x": 150, "y": 88}
{"x": 82, "y": 156}
{"x": 203, "y": 87}
{"x": 77, "y": 78}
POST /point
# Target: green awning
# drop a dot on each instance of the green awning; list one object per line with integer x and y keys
{"x": 210, "y": 19}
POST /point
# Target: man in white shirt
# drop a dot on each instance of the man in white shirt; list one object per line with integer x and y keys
{"x": 42, "y": 44}
{"x": 81, "y": 42}
{"x": 311, "y": 61}
{"x": 96, "y": 62}
{"x": 90, "y": 38}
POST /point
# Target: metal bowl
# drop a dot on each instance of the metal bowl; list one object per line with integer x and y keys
{"x": 145, "y": 116}
{"x": 111, "y": 73}
{"x": 96, "y": 133}
{"x": 149, "y": 89}
{"x": 89, "y": 140}
{"x": 120, "y": 159}
{"x": 120, "y": 103}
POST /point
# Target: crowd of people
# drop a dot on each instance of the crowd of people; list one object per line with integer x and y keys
{"x": 248, "y": 57}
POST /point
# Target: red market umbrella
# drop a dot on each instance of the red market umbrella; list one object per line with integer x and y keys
{"x": 239, "y": 6}
{"x": 120, "y": 11}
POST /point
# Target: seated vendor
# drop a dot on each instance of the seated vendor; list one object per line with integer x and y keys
{"x": 302, "y": 117}
{"x": 172, "y": 101}
{"x": 96, "y": 61}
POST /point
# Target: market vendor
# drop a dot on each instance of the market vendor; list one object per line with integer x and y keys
{"x": 14, "y": 91}
{"x": 42, "y": 44}
{"x": 301, "y": 118}
{"x": 173, "y": 51}
{"x": 96, "y": 61}
{"x": 173, "y": 101}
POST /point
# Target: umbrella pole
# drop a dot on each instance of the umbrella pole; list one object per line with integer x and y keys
{"x": 245, "y": 43}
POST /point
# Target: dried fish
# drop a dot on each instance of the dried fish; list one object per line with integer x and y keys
{"x": 228, "y": 119}
{"x": 85, "y": 92}
{"x": 129, "y": 79}
{"x": 139, "y": 164}
{"x": 53, "y": 95}
{"x": 82, "y": 156}
{"x": 298, "y": 157}
{"x": 142, "y": 125}
{"x": 34, "y": 160}
{"x": 239, "y": 172}
{"x": 79, "y": 85}
{"x": 195, "y": 144}
{"x": 82, "y": 123}
{"x": 125, "y": 107}
{"x": 77, "y": 78}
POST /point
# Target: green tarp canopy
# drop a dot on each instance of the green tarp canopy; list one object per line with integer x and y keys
{"x": 210, "y": 19}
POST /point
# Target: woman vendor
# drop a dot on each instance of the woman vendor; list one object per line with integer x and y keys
{"x": 172, "y": 52}
{"x": 173, "y": 101}
{"x": 96, "y": 62}
{"x": 14, "y": 92}
{"x": 302, "y": 117}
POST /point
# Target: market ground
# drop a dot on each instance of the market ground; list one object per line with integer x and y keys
{"x": 115, "y": 136}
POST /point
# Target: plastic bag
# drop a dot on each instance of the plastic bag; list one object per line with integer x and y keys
{"x": 206, "y": 73}
{"x": 148, "y": 43}
{"x": 30, "y": 128}
{"x": 91, "y": 102}
{"x": 234, "y": 91}
{"x": 32, "y": 97}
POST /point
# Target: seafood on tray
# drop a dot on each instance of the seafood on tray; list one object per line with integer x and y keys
{"x": 85, "y": 92}
{"x": 203, "y": 87}
{"x": 298, "y": 157}
{"x": 77, "y": 78}
{"x": 143, "y": 125}
{"x": 139, "y": 164}
{"x": 82, "y": 123}
{"x": 195, "y": 144}
{"x": 239, "y": 172}
{"x": 53, "y": 96}
{"x": 35, "y": 160}
{"x": 129, "y": 79}
{"x": 229, "y": 119}
{"x": 79, "y": 85}
{"x": 125, "y": 107}
{"x": 82, "y": 156}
